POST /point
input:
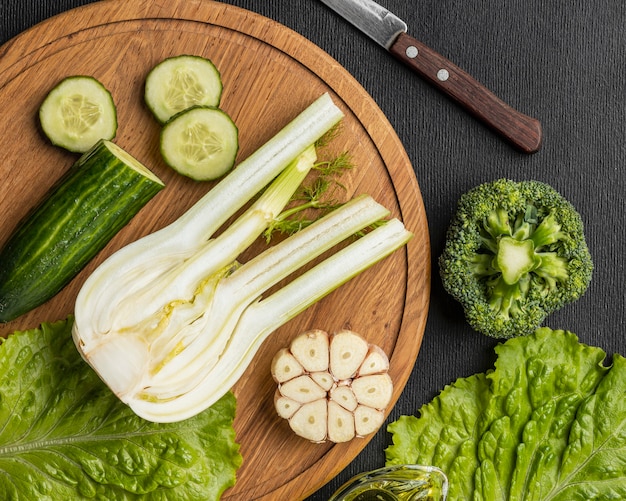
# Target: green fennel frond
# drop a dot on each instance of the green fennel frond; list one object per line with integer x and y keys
{"x": 314, "y": 199}
{"x": 330, "y": 136}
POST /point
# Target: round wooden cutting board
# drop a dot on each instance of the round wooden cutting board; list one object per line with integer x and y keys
{"x": 270, "y": 74}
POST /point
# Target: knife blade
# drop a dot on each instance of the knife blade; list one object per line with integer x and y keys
{"x": 520, "y": 130}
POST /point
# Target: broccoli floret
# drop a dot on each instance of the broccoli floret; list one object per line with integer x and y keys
{"x": 514, "y": 253}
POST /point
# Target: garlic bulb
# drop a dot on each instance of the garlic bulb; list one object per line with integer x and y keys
{"x": 332, "y": 387}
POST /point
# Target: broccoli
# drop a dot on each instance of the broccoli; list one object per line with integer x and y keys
{"x": 514, "y": 253}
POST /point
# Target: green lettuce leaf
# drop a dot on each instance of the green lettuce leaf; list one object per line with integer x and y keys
{"x": 547, "y": 423}
{"x": 64, "y": 435}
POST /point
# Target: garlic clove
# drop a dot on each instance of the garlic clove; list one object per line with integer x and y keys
{"x": 341, "y": 426}
{"x": 285, "y": 407}
{"x": 344, "y": 396}
{"x": 324, "y": 379}
{"x": 347, "y": 352}
{"x": 310, "y": 421}
{"x": 302, "y": 389}
{"x": 374, "y": 390}
{"x": 285, "y": 366}
{"x": 367, "y": 420}
{"x": 375, "y": 362}
{"x": 311, "y": 350}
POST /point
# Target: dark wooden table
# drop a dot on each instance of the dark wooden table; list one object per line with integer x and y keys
{"x": 564, "y": 64}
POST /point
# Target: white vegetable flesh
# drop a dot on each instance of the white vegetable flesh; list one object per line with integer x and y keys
{"x": 352, "y": 405}
{"x": 260, "y": 318}
{"x": 171, "y": 321}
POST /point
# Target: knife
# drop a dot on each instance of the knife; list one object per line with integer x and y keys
{"x": 522, "y": 131}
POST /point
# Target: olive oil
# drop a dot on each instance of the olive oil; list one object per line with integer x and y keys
{"x": 396, "y": 483}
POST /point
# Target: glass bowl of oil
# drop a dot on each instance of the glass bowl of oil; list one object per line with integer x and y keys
{"x": 396, "y": 483}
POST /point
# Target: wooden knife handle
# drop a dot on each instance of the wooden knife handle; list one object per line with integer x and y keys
{"x": 522, "y": 131}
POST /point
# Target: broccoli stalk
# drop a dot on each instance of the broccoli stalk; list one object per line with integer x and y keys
{"x": 515, "y": 252}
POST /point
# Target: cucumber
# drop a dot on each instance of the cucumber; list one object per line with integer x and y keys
{"x": 98, "y": 195}
{"x": 181, "y": 82}
{"x": 200, "y": 143}
{"x": 77, "y": 113}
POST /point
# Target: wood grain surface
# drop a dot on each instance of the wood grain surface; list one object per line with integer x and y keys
{"x": 270, "y": 74}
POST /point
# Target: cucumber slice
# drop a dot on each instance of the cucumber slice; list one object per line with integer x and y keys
{"x": 200, "y": 143}
{"x": 181, "y": 82}
{"x": 97, "y": 197}
{"x": 77, "y": 113}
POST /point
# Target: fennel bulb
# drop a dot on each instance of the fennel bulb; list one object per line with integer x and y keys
{"x": 171, "y": 321}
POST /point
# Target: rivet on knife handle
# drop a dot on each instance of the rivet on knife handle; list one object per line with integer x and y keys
{"x": 522, "y": 131}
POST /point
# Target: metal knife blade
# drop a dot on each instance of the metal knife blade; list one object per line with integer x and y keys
{"x": 372, "y": 19}
{"x": 522, "y": 131}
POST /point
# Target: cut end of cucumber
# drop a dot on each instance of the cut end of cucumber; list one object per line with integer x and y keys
{"x": 200, "y": 143}
{"x": 77, "y": 113}
{"x": 181, "y": 82}
{"x": 131, "y": 161}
